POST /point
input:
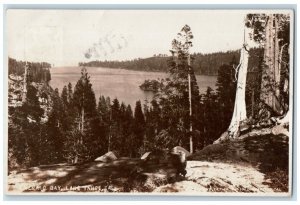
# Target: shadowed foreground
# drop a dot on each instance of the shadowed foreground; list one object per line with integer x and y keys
{"x": 122, "y": 175}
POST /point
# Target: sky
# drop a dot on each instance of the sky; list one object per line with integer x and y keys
{"x": 66, "y": 37}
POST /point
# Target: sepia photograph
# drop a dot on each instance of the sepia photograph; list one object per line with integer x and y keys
{"x": 152, "y": 102}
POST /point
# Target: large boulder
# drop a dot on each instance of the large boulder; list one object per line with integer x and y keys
{"x": 109, "y": 156}
{"x": 161, "y": 159}
{"x": 178, "y": 158}
{"x": 179, "y": 149}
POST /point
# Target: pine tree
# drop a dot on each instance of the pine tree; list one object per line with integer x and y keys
{"x": 104, "y": 112}
{"x": 156, "y": 116}
{"x": 210, "y": 113}
{"x": 253, "y": 85}
{"x": 55, "y": 129}
{"x": 64, "y": 96}
{"x": 138, "y": 128}
{"x": 179, "y": 95}
{"x": 90, "y": 139}
{"x": 123, "y": 126}
{"x": 128, "y": 132}
{"x": 102, "y": 108}
{"x": 70, "y": 93}
{"x": 272, "y": 32}
{"x": 114, "y": 141}
{"x": 115, "y": 110}
{"x": 84, "y": 98}
{"x": 226, "y": 86}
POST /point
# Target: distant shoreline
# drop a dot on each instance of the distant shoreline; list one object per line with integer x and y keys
{"x": 152, "y": 71}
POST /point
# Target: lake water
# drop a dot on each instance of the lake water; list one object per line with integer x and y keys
{"x": 118, "y": 83}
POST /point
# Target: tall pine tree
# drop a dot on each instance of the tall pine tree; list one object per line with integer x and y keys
{"x": 138, "y": 129}
{"x": 174, "y": 94}
{"x": 90, "y": 136}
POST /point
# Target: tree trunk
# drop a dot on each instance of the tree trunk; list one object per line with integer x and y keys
{"x": 270, "y": 92}
{"x": 82, "y": 119}
{"x": 190, "y": 104}
{"x": 239, "y": 112}
{"x": 75, "y": 160}
{"x": 82, "y": 125}
{"x": 25, "y": 83}
{"x": 109, "y": 136}
{"x": 252, "y": 103}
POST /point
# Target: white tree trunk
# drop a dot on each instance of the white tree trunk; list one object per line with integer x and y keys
{"x": 82, "y": 119}
{"x": 25, "y": 83}
{"x": 190, "y": 105}
{"x": 239, "y": 113}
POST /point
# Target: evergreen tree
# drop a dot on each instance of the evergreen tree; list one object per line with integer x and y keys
{"x": 128, "y": 132}
{"x": 87, "y": 119}
{"x": 138, "y": 128}
{"x": 122, "y": 123}
{"x": 39, "y": 71}
{"x": 55, "y": 129}
{"x": 104, "y": 117}
{"x": 102, "y": 107}
{"x": 115, "y": 128}
{"x": 272, "y": 31}
{"x": 84, "y": 98}
{"x": 174, "y": 94}
{"x": 210, "y": 114}
{"x": 64, "y": 96}
{"x": 226, "y": 87}
{"x": 70, "y": 93}
{"x": 115, "y": 110}
{"x": 69, "y": 108}
{"x": 253, "y": 85}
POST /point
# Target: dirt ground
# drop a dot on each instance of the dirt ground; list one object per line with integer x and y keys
{"x": 205, "y": 176}
{"x": 201, "y": 177}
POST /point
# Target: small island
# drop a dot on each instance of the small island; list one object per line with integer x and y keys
{"x": 150, "y": 85}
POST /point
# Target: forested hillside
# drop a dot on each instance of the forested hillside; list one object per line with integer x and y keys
{"x": 203, "y": 64}
{"x": 39, "y": 71}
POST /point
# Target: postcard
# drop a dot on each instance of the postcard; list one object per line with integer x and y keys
{"x": 152, "y": 102}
